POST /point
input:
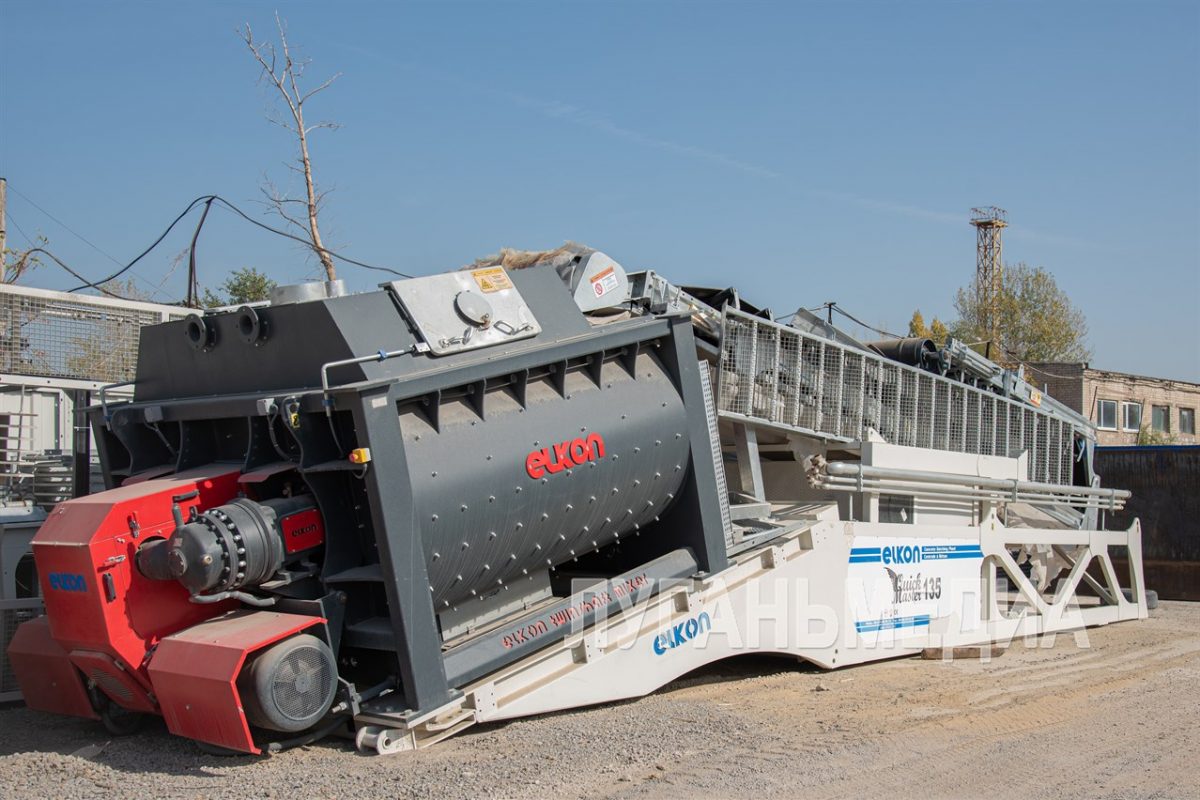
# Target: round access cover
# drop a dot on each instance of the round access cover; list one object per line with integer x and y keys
{"x": 474, "y": 308}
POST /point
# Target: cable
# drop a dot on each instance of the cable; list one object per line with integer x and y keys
{"x": 64, "y": 225}
{"x": 193, "y": 290}
{"x": 306, "y": 242}
{"x": 208, "y": 199}
{"x": 1015, "y": 358}
{"x": 271, "y": 417}
{"x": 1032, "y": 368}
{"x": 144, "y": 253}
{"x": 1026, "y": 364}
{"x": 837, "y": 308}
{"x": 154, "y": 289}
{"x": 855, "y": 319}
{"x": 812, "y": 310}
{"x": 20, "y": 230}
{"x": 59, "y": 261}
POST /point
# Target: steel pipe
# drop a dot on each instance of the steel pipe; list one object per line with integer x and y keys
{"x": 855, "y": 476}
{"x": 965, "y": 493}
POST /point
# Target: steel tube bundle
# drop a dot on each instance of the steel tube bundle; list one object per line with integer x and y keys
{"x": 855, "y": 477}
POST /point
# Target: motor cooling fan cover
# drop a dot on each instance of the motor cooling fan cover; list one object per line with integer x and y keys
{"x": 291, "y": 685}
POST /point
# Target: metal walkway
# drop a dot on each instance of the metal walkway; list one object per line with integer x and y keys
{"x": 778, "y": 376}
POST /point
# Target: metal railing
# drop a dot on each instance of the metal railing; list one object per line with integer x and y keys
{"x": 780, "y": 376}
{"x": 63, "y": 336}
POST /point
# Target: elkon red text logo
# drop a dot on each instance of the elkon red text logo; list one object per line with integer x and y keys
{"x": 564, "y": 455}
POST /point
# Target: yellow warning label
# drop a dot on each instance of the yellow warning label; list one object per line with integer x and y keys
{"x": 1035, "y": 397}
{"x": 492, "y": 279}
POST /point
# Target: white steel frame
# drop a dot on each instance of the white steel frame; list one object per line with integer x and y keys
{"x": 788, "y": 597}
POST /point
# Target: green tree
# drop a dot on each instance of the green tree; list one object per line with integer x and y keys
{"x": 936, "y": 330}
{"x": 1037, "y": 321}
{"x": 1148, "y": 435}
{"x": 246, "y": 285}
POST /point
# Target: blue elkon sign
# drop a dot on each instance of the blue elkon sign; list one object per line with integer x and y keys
{"x": 67, "y": 582}
{"x": 913, "y": 554}
{"x": 682, "y": 633}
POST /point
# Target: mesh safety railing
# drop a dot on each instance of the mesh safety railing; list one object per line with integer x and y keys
{"x": 775, "y": 374}
{"x": 51, "y": 334}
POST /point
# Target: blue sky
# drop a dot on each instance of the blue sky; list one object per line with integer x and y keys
{"x": 804, "y": 152}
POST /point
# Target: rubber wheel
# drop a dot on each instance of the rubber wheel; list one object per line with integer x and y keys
{"x": 217, "y": 750}
{"x": 116, "y": 720}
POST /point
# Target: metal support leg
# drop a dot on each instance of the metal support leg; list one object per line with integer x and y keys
{"x": 750, "y": 480}
{"x": 81, "y": 445}
{"x": 701, "y": 520}
{"x": 401, "y": 555}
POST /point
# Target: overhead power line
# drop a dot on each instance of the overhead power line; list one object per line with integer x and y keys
{"x": 852, "y": 318}
{"x": 207, "y": 200}
{"x": 64, "y": 225}
{"x": 17, "y": 225}
{"x": 31, "y": 251}
{"x": 76, "y": 234}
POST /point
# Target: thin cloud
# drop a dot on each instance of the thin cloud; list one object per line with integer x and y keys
{"x": 1021, "y": 232}
{"x": 901, "y": 209}
{"x": 582, "y": 117}
{"x": 577, "y": 115}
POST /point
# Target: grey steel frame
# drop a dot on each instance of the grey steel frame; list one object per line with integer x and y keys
{"x": 375, "y": 409}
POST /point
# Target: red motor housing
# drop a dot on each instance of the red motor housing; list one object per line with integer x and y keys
{"x": 104, "y": 616}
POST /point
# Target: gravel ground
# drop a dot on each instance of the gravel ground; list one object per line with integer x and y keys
{"x": 1117, "y": 718}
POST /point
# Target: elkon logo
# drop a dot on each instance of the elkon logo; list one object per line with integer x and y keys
{"x": 67, "y": 582}
{"x": 564, "y": 455}
{"x": 901, "y": 554}
{"x": 683, "y": 632}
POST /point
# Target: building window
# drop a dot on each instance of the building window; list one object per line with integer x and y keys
{"x": 1160, "y": 418}
{"x": 1106, "y": 415}
{"x": 1187, "y": 421}
{"x": 1131, "y": 417}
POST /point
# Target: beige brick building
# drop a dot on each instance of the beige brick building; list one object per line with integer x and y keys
{"x": 1126, "y": 409}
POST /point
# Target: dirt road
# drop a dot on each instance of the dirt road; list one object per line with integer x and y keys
{"x": 1118, "y": 718}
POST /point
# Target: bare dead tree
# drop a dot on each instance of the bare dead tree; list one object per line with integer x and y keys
{"x": 284, "y": 71}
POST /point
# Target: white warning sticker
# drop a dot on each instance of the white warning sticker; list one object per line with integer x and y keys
{"x": 605, "y": 282}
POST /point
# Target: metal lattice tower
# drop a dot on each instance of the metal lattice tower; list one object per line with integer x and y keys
{"x": 989, "y": 223}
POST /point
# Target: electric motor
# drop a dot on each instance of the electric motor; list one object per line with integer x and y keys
{"x": 239, "y": 544}
{"x": 289, "y": 686}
